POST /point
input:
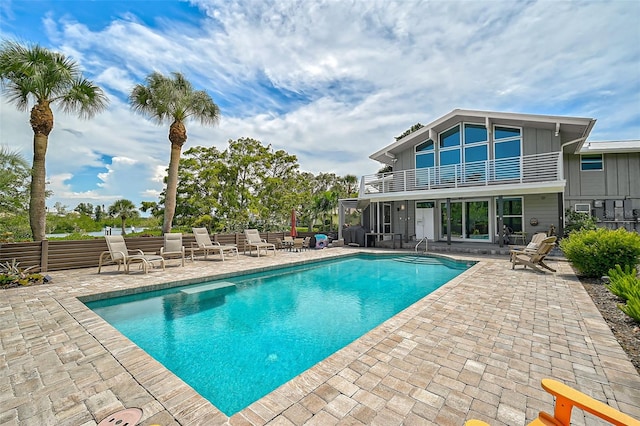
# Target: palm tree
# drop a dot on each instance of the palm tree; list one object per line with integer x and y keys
{"x": 33, "y": 74}
{"x": 124, "y": 209}
{"x": 173, "y": 99}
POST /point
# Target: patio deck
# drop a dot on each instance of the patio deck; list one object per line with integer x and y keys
{"x": 475, "y": 348}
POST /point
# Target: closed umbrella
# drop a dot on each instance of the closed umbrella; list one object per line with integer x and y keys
{"x": 294, "y": 232}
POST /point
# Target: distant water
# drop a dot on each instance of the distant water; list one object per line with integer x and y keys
{"x": 114, "y": 231}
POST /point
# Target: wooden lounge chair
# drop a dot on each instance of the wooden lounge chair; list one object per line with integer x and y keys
{"x": 253, "y": 240}
{"x": 534, "y": 259}
{"x": 119, "y": 254}
{"x": 566, "y": 398}
{"x": 204, "y": 243}
{"x": 173, "y": 248}
{"x": 533, "y": 245}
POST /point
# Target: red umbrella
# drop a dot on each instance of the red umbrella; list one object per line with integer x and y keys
{"x": 294, "y": 232}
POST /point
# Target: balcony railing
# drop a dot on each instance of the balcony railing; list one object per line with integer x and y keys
{"x": 505, "y": 171}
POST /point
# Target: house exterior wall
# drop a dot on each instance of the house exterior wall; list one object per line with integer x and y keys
{"x": 543, "y": 208}
{"x": 546, "y": 187}
{"x": 618, "y": 182}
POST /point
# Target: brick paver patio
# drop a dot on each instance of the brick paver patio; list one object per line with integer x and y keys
{"x": 476, "y": 348}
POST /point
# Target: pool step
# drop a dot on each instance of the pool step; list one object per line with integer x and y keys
{"x": 207, "y": 287}
{"x": 423, "y": 260}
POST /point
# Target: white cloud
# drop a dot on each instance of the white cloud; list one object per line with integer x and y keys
{"x": 333, "y": 82}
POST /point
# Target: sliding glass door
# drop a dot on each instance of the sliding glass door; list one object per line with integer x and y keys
{"x": 469, "y": 220}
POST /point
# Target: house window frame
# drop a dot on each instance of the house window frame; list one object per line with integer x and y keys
{"x": 496, "y": 144}
{"x": 600, "y": 161}
{"x": 511, "y": 216}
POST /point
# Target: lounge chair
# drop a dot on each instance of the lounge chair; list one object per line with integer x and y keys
{"x": 535, "y": 258}
{"x": 173, "y": 248}
{"x": 533, "y": 245}
{"x": 203, "y": 242}
{"x": 253, "y": 240}
{"x": 566, "y": 398}
{"x": 287, "y": 243}
{"x": 119, "y": 254}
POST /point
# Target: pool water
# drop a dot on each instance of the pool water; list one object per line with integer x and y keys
{"x": 237, "y": 339}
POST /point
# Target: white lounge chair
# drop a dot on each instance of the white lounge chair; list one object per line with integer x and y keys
{"x": 119, "y": 254}
{"x": 253, "y": 240}
{"x": 203, "y": 242}
{"x": 173, "y": 248}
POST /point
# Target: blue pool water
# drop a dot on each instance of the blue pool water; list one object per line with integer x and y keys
{"x": 237, "y": 339}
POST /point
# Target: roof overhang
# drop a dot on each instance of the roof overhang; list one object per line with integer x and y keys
{"x": 472, "y": 192}
{"x": 606, "y": 147}
{"x": 575, "y": 129}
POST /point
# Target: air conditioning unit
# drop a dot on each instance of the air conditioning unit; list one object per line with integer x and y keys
{"x": 598, "y": 203}
{"x": 583, "y": 208}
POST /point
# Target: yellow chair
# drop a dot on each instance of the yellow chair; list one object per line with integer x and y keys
{"x": 566, "y": 398}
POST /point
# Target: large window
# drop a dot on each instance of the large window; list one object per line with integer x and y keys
{"x": 425, "y": 159}
{"x": 591, "y": 162}
{"x": 507, "y": 148}
{"x": 512, "y": 213}
{"x": 449, "y": 155}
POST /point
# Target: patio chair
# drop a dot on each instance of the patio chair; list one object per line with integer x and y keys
{"x": 253, "y": 239}
{"x": 532, "y": 246}
{"x": 119, "y": 254}
{"x": 534, "y": 259}
{"x": 566, "y": 398}
{"x": 173, "y": 248}
{"x": 203, "y": 242}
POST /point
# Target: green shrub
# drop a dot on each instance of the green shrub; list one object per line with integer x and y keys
{"x": 632, "y": 307}
{"x": 12, "y": 275}
{"x": 594, "y": 252}
{"x": 577, "y": 221}
{"x": 622, "y": 282}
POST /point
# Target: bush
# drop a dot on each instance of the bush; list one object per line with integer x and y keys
{"x": 11, "y": 275}
{"x": 632, "y": 308}
{"x": 577, "y": 221}
{"x": 623, "y": 282}
{"x": 594, "y": 252}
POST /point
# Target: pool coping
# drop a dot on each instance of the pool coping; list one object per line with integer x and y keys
{"x": 341, "y": 387}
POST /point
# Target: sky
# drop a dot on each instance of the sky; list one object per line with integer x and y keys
{"x": 329, "y": 81}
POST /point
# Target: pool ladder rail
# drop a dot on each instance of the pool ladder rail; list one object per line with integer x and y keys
{"x": 426, "y": 244}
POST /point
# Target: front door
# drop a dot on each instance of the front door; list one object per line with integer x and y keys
{"x": 425, "y": 220}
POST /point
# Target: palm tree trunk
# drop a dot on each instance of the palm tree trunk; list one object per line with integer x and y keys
{"x": 178, "y": 137}
{"x": 172, "y": 188}
{"x": 41, "y": 123}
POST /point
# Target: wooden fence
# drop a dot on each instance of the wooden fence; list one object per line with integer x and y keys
{"x": 72, "y": 254}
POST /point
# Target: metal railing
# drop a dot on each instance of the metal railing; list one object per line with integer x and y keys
{"x": 524, "y": 169}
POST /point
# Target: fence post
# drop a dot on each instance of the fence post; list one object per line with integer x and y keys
{"x": 44, "y": 255}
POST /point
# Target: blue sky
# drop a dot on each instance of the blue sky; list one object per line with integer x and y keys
{"x": 328, "y": 81}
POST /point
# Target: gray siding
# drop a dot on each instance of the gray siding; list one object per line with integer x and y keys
{"x": 543, "y": 207}
{"x": 536, "y": 141}
{"x": 619, "y": 179}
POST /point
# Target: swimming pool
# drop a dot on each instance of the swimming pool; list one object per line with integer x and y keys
{"x": 237, "y": 339}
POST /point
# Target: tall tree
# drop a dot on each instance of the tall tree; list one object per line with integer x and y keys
{"x": 124, "y": 209}
{"x": 35, "y": 75}
{"x": 173, "y": 99}
{"x": 14, "y": 172}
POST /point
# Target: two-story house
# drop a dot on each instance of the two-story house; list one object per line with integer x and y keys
{"x": 472, "y": 175}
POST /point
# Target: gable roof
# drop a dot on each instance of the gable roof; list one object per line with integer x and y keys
{"x": 572, "y": 130}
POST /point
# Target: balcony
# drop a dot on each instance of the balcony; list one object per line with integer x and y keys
{"x": 530, "y": 170}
